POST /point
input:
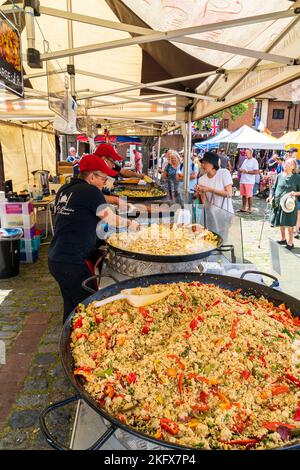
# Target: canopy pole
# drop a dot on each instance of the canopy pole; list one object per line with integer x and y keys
{"x": 187, "y": 152}
{"x": 158, "y": 155}
{"x": 71, "y": 68}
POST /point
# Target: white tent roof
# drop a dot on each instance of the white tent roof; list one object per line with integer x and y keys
{"x": 206, "y": 53}
{"x": 216, "y": 140}
{"x": 246, "y": 137}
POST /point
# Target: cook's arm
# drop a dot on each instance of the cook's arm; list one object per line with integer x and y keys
{"x": 115, "y": 200}
{"x": 131, "y": 174}
{"x": 109, "y": 217}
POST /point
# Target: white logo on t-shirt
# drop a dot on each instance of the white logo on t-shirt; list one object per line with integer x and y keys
{"x": 62, "y": 204}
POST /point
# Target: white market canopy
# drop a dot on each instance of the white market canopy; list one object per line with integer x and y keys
{"x": 146, "y": 62}
{"x": 246, "y": 137}
{"x": 213, "y": 142}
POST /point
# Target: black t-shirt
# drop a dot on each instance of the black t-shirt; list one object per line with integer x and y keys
{"x": 75, "y": 237}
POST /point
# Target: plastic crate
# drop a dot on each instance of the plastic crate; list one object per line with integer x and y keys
{"x": 9, "y": 208}
{"x": 29, "y": 233}
{"x": 28, "y": 256}
{"x": 30, "y": 245}
{"x": 17, "y": 220}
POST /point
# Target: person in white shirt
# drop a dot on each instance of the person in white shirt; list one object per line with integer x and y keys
{"x": 215, "y": 186}
{"x": 248, "y": 170}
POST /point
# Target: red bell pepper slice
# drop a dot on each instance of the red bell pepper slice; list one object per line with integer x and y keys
{"x": 296, "y": 321}
{"x": 273, "y": 425}
{"x": 82, "y": 369}
{"x": 262, "y": 360}
{"x": 200, "y": 408}
{"x": 149, "y": 319}
{"x": 82, "y": 335}
{"x": 78, "y": 323}
{"x": 99, "y": 319}
{"x": 279, "y": 390}
{"x": 110, "y": 391}
{"x": 194, "y": 324}
{"x": 119, "y": 377}
{"x": 209, "y": 306}
{"x": 144, "y": 312}
{"x": 293, "y": 379}
{"x": 183, "y": 295}
{"x": 145, "y": 330}
{"x": 173, "y": 356}
{"x": 246, "y": 374}
{"x": 170, "y": 426}
{"x": 198, "y": 377}
{"x": 297, "y": 414}
{"x": 203, "y": 396}
{"x": 131, "y": 378}
{"x": 233, "y": 328}
{"x": 239, "y": 424}
{"x": 120, "y": 395}
{"x": 241, "y": 442}
{"x": 240, "y": 301}
{"x": 180, "y": 380}
{"x": 107, "y": 338}
{"x": 224, "y": 348}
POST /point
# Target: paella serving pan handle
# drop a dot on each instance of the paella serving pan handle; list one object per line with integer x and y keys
{"x": 275, "y": 282}
{"x": 59, "y": 445}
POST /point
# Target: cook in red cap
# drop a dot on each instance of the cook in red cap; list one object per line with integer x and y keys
{"x": 106, "y": 150}
{"x": 80, "y": 208}
{"x": 93, "y": 163}
{"x": 107, "y": 153}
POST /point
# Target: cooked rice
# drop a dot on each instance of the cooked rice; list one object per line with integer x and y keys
{"x": 165, "y": 239}
{"x": 215, "y": 363}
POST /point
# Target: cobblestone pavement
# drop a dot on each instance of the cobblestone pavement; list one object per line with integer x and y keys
{"x": 34, "y": 290}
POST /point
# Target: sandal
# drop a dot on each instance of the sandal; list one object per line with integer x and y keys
{"x": 290, "y": 247}
{"x": 241, "y": 210}
{"x": 281, "y": 242}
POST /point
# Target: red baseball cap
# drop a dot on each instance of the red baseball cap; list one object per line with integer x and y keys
{"x": 93, "y": 163}
{"x": 106, "y": 150}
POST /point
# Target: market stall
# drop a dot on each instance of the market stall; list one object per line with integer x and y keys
{"x": 291, "y": 139}
{"x": 213, "y": 142}
{"x": 246, "y": 137}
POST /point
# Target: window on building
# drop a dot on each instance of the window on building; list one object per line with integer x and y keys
{"x": 225, "y": 123}
{"x": 278, "y": 114}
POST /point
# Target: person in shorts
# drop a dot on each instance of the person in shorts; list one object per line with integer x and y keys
{"x": 249, "y": 169}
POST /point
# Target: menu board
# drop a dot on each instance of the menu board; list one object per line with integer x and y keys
{"x": 11, "y": 74}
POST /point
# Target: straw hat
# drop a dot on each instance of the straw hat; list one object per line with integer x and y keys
{"x": 287, "y": 203}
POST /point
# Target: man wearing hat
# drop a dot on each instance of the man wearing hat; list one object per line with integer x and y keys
{"x": 78, "y": 207}
{"x": 113, "y": 160}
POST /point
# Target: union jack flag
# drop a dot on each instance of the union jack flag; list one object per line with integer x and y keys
{"x": 214, "y": 126}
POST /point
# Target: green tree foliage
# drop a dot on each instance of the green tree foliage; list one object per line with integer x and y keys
{"x": 234, "y": 112}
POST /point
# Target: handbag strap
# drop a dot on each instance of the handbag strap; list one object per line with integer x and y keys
{"x": 212, "y": 199}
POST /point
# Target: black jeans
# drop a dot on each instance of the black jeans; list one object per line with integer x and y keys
{"x": 69, "y": 278}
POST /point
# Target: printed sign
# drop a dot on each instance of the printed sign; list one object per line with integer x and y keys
{"x": 11, "y": 74}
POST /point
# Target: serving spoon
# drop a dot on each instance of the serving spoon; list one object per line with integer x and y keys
{"x": 135, "y": 300}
